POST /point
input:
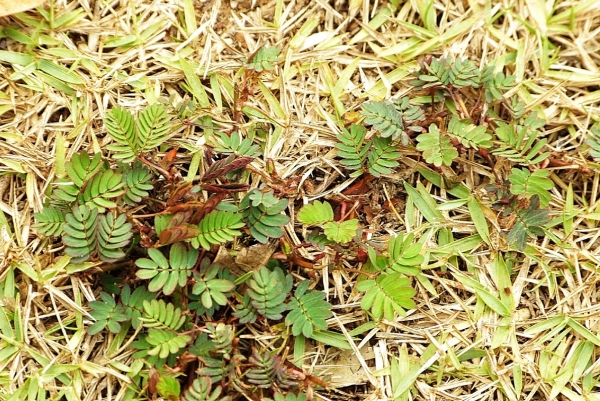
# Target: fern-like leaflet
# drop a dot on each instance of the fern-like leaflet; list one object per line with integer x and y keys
{"x": 217, "y": 227}
{"x": 321, "y": 213}
{"x": 165, "y": 342}
{"x": 387, "y": 295}
{"x": 167, "y": 274}
{"x": 80, "y": 233}
{"x": 469, "y": 135}
{"x": 222, "y": 336}
{"x": 308, "y": 311}
{"x": 120, "y": 126}
{"x": 341, "y": 231}
{"x": 411, "y": 115}
{"x": 101, "y": 189}
{"x": 316, "y": 213}
{"x": 246, "y": 312}
{"x": 50, "y": 221}
{"x": 133, "y": 302}
{"x": 382, "y": 157}
{"x": 114, "y": 232}
{"x": 160, "y": 314}
{"x": 137, "y": 183}
{"x": 351, "y": 148}
{"x": 268, "y": 371}
{"x": 530, "y": 222}
{"x": 81, "y": 168}
{"x": 264, "y": 59}
{"x": 136, "y": 136}
{"x": 446, "y": 73}
{"x": 436, "y": 147}
{"x": 403, "y": 256}
{"x": 262, "y": 215}
{"x": 211, "y": 289}
{"x": 529, "y": 184}
{"x": 495, "y": 83}
{"x": 200, "y": 390}
{"x": 385, "y": 118}
{"x": 518, "y": 142}
{"x": 266, "y": 295}
{"x": 234, "y": 143}
{"x": 107, "y": 315}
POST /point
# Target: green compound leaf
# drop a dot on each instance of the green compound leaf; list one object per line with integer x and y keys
{"x": 65, "y": 191}
{"x": 388, "y": 295}
{"x": 404, "y": 256}
{"x": 166, "y": 342}
{"x": 352, "y": 148}
{"x": 445, "y": 72}
{"x": 211, "y": 290}
{"x": 113, "y": 234}
{"x": 137, "y": 183}
{"x": 495, "y": 83}
{"x": 385, "y": 118}
{"x": 262, "y": 215}
{"x": 234, "y": 143}
{"x": 316, "y": 213}
{"x": 308, "y": 310}
{"x": 168, "y": 387}
{"x": 382, "y": 157}
{"x": 101, "y": 189}
{"x": 135, "y": 136}
{"x": 50, "y": 221}
{"x": 267, "y": 291}
{"x": 437, "y": 148}
{"x": 246, "y": 312}
{"x": 267, "y": 371}
{"x": 133, "y": 302}
{"x": 218, "y": 227}
{"x": 529, "y": 184}
{"x": 267, "y": 199}
{"x": 153, "y": 125}
{"x": 529, "y": 224}
{"x": 121, "y": 128}
{"x": 518, "y": 142}
{"x": 341, "y": 232}
{"x": 107, "y": 315}
{"x": 80, "y": 233}
{"x": 469, "y": 135}
{"x": 81, "y": 168}
{"x": 160, "y": 314}
{"x": 264, "y": 59}
{"x": 200, "y": 390}
{"x": 167, "y": 274}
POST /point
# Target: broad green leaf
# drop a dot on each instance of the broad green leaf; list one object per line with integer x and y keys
{"x": 341, "y": 232}
{"x": 478, "y": 217}
{"x": 316, "y": 213}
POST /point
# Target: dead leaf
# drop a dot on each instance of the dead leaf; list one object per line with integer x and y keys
{"x": 8, "y": 7}
{"x": 247, "y": 259}
{"x": 255, "y": 256}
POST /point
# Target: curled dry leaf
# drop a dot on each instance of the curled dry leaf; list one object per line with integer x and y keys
{"x": 9, "y": 7}
{"x": 247, "y": 259}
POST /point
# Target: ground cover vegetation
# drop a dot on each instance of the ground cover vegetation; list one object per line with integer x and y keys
{"x": 295, "y": 201}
